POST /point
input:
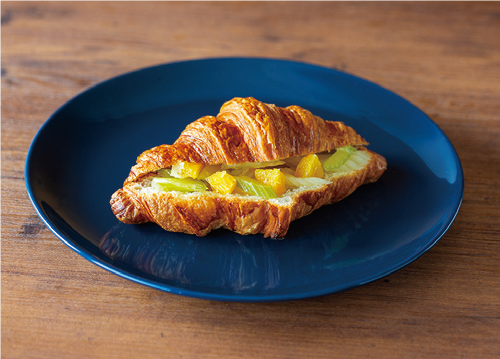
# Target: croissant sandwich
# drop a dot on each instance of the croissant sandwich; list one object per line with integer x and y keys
{"x": 254, "y": 168}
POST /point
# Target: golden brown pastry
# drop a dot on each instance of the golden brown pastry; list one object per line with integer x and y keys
{"x": 245, "y": 135}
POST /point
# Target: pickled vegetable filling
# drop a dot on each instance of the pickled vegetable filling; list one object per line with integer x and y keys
{"x": 264, "y": 179}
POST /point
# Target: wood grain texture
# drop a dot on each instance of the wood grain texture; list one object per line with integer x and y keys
{"x": 443, "y": 57}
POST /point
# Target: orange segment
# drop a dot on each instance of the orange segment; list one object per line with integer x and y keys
{"x": 272, "y": 177}
{"x": 310, "y": 166}
{"x": 186, "y": 169}
{"x": 222, "y": 182}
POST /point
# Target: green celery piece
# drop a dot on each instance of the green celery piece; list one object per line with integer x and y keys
{"x": 356, "y": 161}
{"x": 296, "y": 182}
{"x": 340, "y": 156}
{"x": 164, "y": 172}
{"x": 178, "y": 184}
{"x": 254, "y": 187}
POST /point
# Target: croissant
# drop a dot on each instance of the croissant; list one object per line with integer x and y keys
{"x": 247, "y": 136}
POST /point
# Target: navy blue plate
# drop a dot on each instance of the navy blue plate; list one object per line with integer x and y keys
{"x": 84, "y": 151}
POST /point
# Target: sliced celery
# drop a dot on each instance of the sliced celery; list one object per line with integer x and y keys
{"x": 296, "y": 182}
{"x": 164, "y": 172}
{"x": 356, "y": 161}
{"x": 340, "y": 156}
{"x": 178, "y": 184}
{"x": 254, "y": 187}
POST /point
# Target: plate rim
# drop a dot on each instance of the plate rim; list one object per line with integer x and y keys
{"x": 235, "y": 297}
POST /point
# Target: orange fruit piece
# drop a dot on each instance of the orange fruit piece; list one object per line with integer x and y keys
{"x": 310, "y": 166}
{"x": 222, "y": 182}
{"x": 186, "y": 169}
{"x": 272, "y": 177}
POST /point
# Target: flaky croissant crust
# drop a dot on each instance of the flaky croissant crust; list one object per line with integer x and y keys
{"x": 245, "y": 130}
{"x": 199, "y": 213}
{"x": 248, "y": 130}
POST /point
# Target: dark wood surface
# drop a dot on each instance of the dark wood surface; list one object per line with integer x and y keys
{"x": 443, "y": 57}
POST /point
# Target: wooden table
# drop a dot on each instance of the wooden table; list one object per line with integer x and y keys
{"x": 443, "y": 57}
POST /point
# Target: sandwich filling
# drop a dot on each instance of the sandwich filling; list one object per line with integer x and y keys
{"x": 267, "y": 180}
